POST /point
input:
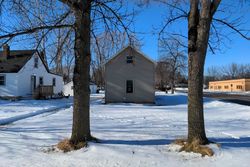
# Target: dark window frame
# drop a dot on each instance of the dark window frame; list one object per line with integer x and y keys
{"x": 130, "y": 59}
{"x": 4, "y": 80}
{"x": 129, "y": 86}
{"x": 36, "y": 60}
{"x": 54, "y": 81}
{"x": 41, "y": 81}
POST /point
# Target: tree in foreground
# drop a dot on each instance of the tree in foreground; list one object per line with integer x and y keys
{"x": 199, "y": 22}
{"x": 204, "y": 32}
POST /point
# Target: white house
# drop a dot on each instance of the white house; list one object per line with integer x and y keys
{"x": 22, "y": 71}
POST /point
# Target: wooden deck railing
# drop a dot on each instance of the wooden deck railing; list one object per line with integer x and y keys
{"x": 43, "y": 92}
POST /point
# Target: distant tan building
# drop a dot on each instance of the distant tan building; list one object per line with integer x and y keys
{"x": 236, "y": 85}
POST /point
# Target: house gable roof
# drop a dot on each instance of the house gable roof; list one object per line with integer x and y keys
{"x": 129, "y": 47}
{"x": 16, "y": 60}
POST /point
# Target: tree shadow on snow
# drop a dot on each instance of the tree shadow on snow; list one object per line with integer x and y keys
{"x": 175, "y": 99}
{"x": 243, "y": 142}
{"x": 138, "y": 142}
{"x": 225, "y": 142}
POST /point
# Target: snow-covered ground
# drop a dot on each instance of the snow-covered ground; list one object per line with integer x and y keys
{"x": 10, "y": 109}
{"x": 131, "y": 135}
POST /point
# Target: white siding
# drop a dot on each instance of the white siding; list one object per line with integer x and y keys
{"x": 92, "y": 88}
{"x": 10, "y": 87}
{"x": 19, "y": 84}
{"x": 67, "y": 89}
{"x": 24, "y": 77}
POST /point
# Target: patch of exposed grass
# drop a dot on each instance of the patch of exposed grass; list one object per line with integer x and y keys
{"x": 67, "y": 146}
{"x": 195, "y": 147}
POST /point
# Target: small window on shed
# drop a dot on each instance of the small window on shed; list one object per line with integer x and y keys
{"x": 129, "y": 59}
{"x": 129, "y": 86}
{"x": 36, "y": 62}
{"x": 2, "y": 80}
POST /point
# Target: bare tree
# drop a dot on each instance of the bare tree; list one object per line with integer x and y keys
{"x": 172, "y": 52}
{"x": 104, "y": 46}
{"x": 162, "y": 71}
{"x": 231, "y": 71}
{"x": 82, "y": 13}
{"x": 199, "y": 22}
{"x": 213, "y": 73}
{"x": 202, "y": 25}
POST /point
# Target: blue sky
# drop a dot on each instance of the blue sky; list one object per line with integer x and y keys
{"x": 235, "y": 51}
{"x": 152, "y": 17}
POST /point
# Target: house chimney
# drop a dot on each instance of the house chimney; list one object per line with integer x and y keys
{"x": 43, "y": 57}
{"x": 6, "y": 52}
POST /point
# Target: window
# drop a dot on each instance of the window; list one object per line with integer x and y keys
{"x": 40, "y": 80}
{"x": 219, "y": 87}
{"x": 226, "y": 87}
{"x": 2, "y": 80}
{"x": 36, "y": 62}
{"x": 239, "y": 87}
{"x": 129, "y": 86}
{"x": 54, "y": 81}
{"x": 211, "y": 87}
{"x": 129, "y": 59}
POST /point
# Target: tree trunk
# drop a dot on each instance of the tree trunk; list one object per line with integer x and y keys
{"x": 172, "y": 82}
{"x": 196, "y": 127}
{"x": 59, "y": 66}
{"x": 198, "y": 34}
{"x": 81, "y": 120}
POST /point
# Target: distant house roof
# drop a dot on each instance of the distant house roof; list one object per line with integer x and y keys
{"x": 71, "y": 82}
{"x": 134, "y": 49}
{"x": 16, "y": 60}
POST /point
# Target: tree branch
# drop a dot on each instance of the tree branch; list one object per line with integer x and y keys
{"x": 232, "y": 27}
{"x": 170, "y": 21}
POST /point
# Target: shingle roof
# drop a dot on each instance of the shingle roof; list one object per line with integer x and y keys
{"x": 16, "y": 60}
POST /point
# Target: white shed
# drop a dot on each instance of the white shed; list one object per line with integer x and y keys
{"x": 68, "y": 88}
